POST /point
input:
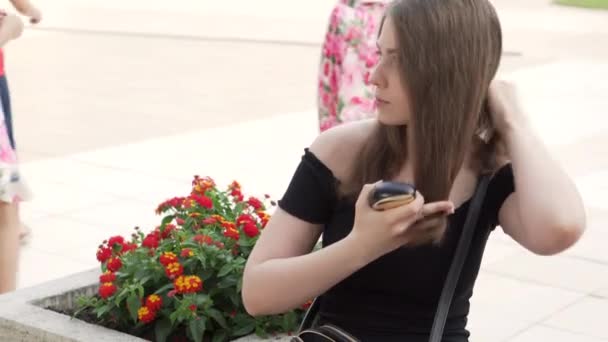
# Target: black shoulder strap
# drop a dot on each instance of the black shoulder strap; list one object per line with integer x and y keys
{"x": 462, "y": 251}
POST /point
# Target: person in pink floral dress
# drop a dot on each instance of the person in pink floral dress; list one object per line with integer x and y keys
{"x": 348, "y": 55}
{"x": 12, "y": 186}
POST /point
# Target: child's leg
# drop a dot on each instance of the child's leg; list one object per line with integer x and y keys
{"x": 9, "y": 246}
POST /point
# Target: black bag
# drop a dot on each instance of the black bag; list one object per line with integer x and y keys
{"x": 310, "y": 332}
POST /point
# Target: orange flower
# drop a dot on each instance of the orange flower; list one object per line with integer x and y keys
{"x": 201, "y": 185}
{"x": 232, "y": 233}
{"x": 106, "y": 290}
{"x": 219, "y": 218}
{"x": 145, "y": 314}
{"x": 168, "y": 258}
{"x": 263, "y": 217}
{"x": 154, "y": 302}
{"x": 188, "y": 284}
{"x": 187, "y": 253}
{"x": 234, "y": 185}
{"x": 173, "y": 270}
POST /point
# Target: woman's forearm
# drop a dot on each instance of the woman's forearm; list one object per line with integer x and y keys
{"x": 549, "y": 203}
{"x": 279, "y": 285}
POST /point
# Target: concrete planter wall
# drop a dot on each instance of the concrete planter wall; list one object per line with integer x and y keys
{"x": 24, "y": 315}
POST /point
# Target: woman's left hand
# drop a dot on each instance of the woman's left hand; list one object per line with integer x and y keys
{"x": 504, "y": 107}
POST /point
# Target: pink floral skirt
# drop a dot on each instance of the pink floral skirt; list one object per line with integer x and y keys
{"x": 348, "y": 57}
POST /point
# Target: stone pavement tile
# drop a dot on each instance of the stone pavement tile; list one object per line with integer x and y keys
{"x": 559, "y": 271}
{"x": 538, "y": 87}
{"x": 498, "y": 250}
{"x": 118, "y": 182}
{"x": 593, "y": 187}
{"x": 37, "y": 267}
{"x": 69, "y": 238}
{"x": 539, "y": 333}
{"x": 588, "y": 316}
{"x": 57, "y": 198}
{"x": 119, "y": 217}
{"x": 592, "y": 245}
{"x": 261, "y": 154}
{"x": 502, "y": 306}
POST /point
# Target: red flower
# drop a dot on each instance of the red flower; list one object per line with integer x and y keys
{"x": 115, "y": 240}
{"x": 151, "y": 240}
{"x": 209, "y": 221}
{"x": 146, "y": 315}
{"x": 180, "y": 221}
{"x": 167, "y": 231}
{"x": 175, "y": 202}
{"x": 114, "y": 264}
{"x": 232, "y": 233}
{"x": 174, "y": 269}
{"x": 251, "y": 229}
{"x": 127, "y": 247}
{"x": 107, "y": 277}
{"x": 255, "y": 203}
{"x": 167, "y": 258}
{"x": 219, "y": 244}
{"x": 192, "y": 307}
{"x": 103, "y": 254}
{"x": 237, "y": 194}
{"x": 106, "y": 290}
{"x": 188, "y": 284}
{"x": 154, "y": 302}
{"x": 203, "y": 201}
{"x": 171, "y": 293}
{"x": 203, "y": 239}
{"x": 234, "y": 185}
{"x": 244, "y": 218}
{"x": 186, "y": 253}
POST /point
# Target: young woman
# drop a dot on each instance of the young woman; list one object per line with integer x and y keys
{"x": 380, "y": 273}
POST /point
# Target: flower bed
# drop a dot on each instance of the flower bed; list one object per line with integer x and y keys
{"x": 182, "y": 281}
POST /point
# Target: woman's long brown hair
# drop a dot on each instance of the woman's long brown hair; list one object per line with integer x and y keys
{"x": 449, "y": 51}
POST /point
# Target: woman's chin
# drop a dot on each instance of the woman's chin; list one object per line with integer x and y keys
{"x": 391, "y": 119}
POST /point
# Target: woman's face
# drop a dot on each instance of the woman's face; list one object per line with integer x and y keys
{"x": 391, "y": 94}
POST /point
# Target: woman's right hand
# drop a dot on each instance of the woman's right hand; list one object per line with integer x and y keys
{"x": 380, "y": 232}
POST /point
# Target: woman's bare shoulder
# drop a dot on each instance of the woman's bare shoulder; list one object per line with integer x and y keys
{"x": 338, "y": 147}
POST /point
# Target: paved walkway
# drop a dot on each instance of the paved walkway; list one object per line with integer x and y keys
{"x": 119, "y": 103}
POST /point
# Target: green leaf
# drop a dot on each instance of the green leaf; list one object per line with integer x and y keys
{"x": 218, "y": 317}
{"x": 201, "y": 299}
{"x": 140, "y": 290}
{"x": 164, "y": 288}
{"x": 225, "y": 270}
{"x": 220, "y": 336}
{"x": 166, "y": 220}
{"x": 162, "y": 329}
{"x": 197, "y": 328}
{"x": 103, "y": 310}
{"x": 245, "y": 329}
{"x": 239, "y": 285}
{"x": 227, "y": 282}
{"x": 133, "y": 304}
